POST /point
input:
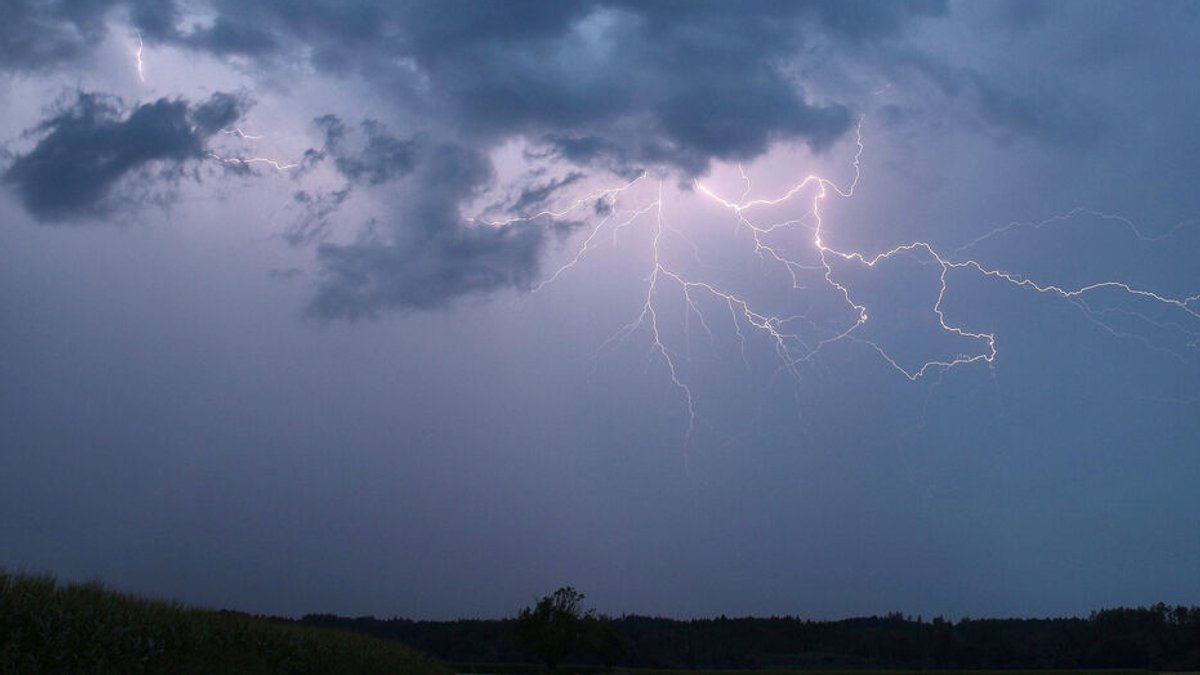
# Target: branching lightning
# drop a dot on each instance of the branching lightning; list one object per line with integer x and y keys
{"x": 276, "y": 164}
{"x": 791, "y": 348}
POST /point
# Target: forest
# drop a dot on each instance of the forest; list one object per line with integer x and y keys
{"x": 1160, "y": 638}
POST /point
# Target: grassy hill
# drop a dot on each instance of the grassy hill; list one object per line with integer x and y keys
{"x": 47, "y": 627}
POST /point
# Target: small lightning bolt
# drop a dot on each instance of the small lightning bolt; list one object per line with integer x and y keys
{"x": 247, "y": 161}
{"x": 1073, "y": 213}
{"x": 237, "y": 131}
{"x": 606, "y": 196}
{"x": 276, "y": 164}
{"x": 141, "y": 66}
{"x": 589, "y": 242}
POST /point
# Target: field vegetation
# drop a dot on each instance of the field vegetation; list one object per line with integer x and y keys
{"x": 49, "y": 627}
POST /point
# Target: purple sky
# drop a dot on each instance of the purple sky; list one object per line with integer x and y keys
{"x": 426, "y": 309}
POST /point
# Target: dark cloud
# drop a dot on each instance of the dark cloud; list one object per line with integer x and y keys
{"x": 218, "y": 112}
{"x": 317, "y": 210}
{"x": 226, "y": 36}
{"x": 36, "y": 34}
{"x": 428, "y": 254}
{"x": 39, "y": 34}
{"x": 589, "y": 150}
{"x": 155, "y": 19}
{"x": 87, "y": 147}
{"x": 581, "y": 149}
{"x": 610, "y": 84}
{"x": 376, "y": 158}
{"x": 534, "y": 196}
{"x": 674, "y": 83}
{"x": 618, "y": 85}
{"x": 431, "y": 254}
{"x": 382, "y": 157}
{"x": 1021, "y": 14}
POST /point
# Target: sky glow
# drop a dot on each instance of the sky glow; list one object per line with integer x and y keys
{"x": 805, "y": 308}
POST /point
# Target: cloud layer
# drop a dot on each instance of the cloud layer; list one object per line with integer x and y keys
{"x": 430, "y": 254}
{"x": 89, "y": 146}
{"x": 601, "y": 84}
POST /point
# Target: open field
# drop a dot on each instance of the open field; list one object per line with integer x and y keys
{"x": 48, "y": 627}
{"x": 523, "y": 669}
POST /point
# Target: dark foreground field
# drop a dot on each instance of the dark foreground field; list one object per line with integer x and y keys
{"x": 47, "y": 627}
{"x": 1146, "y": 639}
{"x": 52, "y": 628}
{"x": 534, "y": 669}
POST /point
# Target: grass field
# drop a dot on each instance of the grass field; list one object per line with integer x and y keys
{"x": 48, "y": 627}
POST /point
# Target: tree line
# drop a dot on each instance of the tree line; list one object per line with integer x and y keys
{"x": 557, "y": 629}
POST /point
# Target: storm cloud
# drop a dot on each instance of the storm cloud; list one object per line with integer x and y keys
{"x": 673, "y": 83}
{"x": 430, "y": 253}
{"x": 37, "y": 35}
{"x": 90, "y": 145}
{"x": 426, "y": 253}
{"x": 663, "y": 83}
{"x": 382, "y": 157}
{"x": 605, "y": 85}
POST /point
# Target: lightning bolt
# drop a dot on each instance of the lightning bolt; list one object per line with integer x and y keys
{"x": 141, "y": 46}
{"x": 649, "y": 314}
{"x": 791, "y": 348}
{"x": 825, "y": 187}
{"x": 276, "y": 164}
{"x": 237, "y": 131}
{"x": 1073, "y": 213}
{"x": 247, "y": 161}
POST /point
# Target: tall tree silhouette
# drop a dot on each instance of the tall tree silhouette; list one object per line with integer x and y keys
{"x": 554, "y": 627}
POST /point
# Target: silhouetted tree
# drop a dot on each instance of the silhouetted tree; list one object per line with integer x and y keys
{"x": 554, "y": 627}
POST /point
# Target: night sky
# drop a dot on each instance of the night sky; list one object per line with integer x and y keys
{"x": 428, "y": 308}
